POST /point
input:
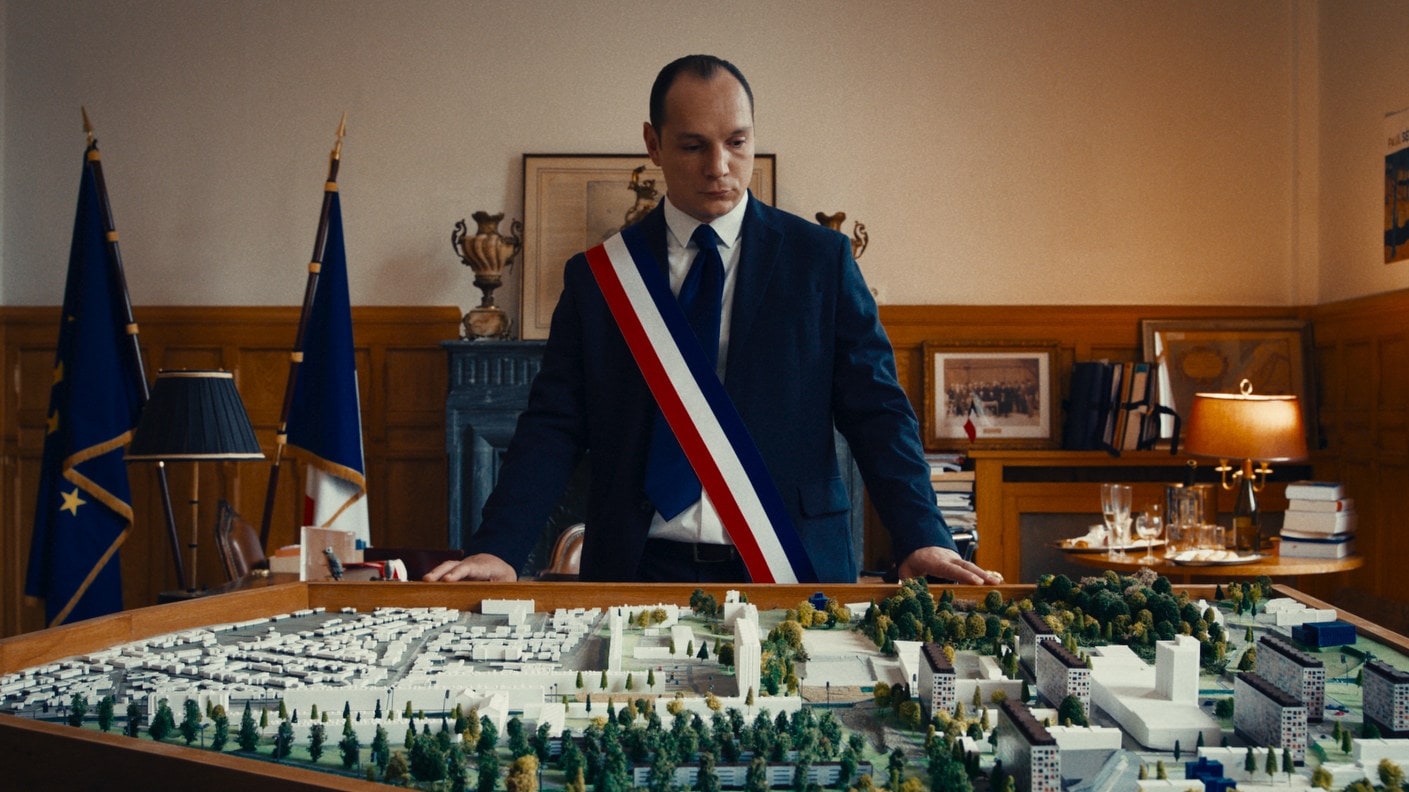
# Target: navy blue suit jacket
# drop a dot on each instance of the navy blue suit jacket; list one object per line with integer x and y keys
{"x": 806, "y": 352}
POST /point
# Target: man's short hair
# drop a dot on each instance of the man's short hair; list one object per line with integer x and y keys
{"x": 702, "y": 66}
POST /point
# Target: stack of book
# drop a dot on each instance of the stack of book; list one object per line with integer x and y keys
{"x": 953, "y": 490}
{"x": 1320, "y": 521}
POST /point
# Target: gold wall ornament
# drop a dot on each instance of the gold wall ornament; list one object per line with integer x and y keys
{"x": 647, "y": 196}
{"x": 488, "y": 254}
{"x": 859, "y": 238}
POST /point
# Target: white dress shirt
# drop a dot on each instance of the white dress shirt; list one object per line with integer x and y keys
{"x": 700, "y": 522}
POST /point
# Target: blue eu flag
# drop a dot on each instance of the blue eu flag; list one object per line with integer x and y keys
{"x": 84, "y": 510}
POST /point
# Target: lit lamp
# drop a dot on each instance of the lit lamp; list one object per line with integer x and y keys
{"x": 194, "y": 416}
{"x": 1242, "y": 426}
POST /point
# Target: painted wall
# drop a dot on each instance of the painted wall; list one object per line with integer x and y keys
{"x": 1364, "y": 46}
{"x": 999, "y": 152}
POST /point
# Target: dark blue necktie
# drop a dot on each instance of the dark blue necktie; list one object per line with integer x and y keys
{"x": 671, "y": 483}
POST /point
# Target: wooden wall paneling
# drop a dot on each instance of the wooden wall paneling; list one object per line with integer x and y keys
{"x": 403, "y": 423}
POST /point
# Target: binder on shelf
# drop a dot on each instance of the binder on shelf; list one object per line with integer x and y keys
{"x": 1087, "y": 405}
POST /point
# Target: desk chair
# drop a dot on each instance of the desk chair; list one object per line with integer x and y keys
{"x": 237, "y": 543}
{"x": 567, "y": 554}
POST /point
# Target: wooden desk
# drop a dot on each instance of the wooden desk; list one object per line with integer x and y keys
{"x": 1273, "y": 566}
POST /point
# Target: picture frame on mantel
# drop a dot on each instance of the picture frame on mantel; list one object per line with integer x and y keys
{"x": 1214, "y": 355}
{"x": 1004, "y": 390}
{"x": 575, "y": 201}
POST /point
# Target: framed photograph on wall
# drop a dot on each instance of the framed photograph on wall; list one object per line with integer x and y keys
{"x": 989, "y": 395}
{"x": 572, "y": 202}
{"x": 1214, "y": 355}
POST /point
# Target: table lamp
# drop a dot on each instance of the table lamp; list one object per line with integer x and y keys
{"x": 1247, "y": 427}
{"x": 194, "y": 416}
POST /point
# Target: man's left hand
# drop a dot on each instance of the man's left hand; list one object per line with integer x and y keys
{"x": 944, "y": 563}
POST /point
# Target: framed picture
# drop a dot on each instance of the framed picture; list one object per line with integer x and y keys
{"x": 989, "y": 395}
{"x": 572, "y": 202}
{"x": 1213, "y": 356}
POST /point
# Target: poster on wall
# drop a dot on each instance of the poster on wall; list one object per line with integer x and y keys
{"x": 1397, "y": 186}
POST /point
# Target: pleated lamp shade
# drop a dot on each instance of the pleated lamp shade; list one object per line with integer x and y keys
{"x": 194, "y": 415}
{"x": 1246, "y": 426}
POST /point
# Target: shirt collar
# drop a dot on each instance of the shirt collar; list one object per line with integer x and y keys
{"x": 727, "y": 226}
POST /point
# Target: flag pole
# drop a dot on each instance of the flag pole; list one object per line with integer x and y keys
{"x": 95, "y": 160}
{"x": 310, "y": 290}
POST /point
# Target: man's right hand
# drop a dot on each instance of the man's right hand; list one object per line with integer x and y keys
{"x": 481, "y": 566}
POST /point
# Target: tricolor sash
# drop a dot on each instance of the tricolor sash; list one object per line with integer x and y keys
{"x": 698, "y": 409}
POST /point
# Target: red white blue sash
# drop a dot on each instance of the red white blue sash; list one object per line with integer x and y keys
{"x": 699, "y": 410}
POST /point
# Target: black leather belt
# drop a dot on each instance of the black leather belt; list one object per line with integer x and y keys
{"x": 699, "y": 552}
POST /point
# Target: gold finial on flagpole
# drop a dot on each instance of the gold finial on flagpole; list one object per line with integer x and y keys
{"x": 87, "y": 125}
{"x": 342, "y": 130}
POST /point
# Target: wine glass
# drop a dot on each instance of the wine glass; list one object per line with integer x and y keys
{"x": 1115, "y": 510}
{"x": 1148, "y": 526}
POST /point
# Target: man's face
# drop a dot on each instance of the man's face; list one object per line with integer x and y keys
{"x": 704, "y": 145}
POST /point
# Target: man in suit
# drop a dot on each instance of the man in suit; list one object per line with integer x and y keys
{"x": 800, "y": 349}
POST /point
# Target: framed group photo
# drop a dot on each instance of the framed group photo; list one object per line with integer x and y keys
{"x": 1215, "y": 355}
{"x": 989, "y": 395}
{"x": 573, "y": 202}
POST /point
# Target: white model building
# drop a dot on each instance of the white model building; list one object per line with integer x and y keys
{"x": 1266, "y": 715}
{"x": 1294, "y": 671}
{"x": 1028, "y": 751}
{"x": 1157, "y": 706}
{"x": 936, "y": 684}
{"x": 748, "y": 656}
{"x": 1386, "y": 694}
{"x": 1060, "y": 674}
{"x": 1287, "y": 612}
{"x": 1032, "y": 629}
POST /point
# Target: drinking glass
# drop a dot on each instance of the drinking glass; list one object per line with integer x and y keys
{"x": 1148, "y": 526}
{"x": 1115, "y": 509}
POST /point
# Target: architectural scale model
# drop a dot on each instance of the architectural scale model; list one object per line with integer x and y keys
{"x": 1178, "y": 692}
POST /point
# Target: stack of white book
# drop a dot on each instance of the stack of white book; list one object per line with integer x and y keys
{"x": 1320, "y": 521}
{"x": 954, "y": 494}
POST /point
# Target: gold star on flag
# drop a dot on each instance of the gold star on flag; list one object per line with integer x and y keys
{"x": 53, "y": 422}
{"x": 59, "y": 372}
{"x": 71, "y": 502}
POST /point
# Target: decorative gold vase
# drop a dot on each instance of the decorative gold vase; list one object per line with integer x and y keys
{"x": 488, "y": 254}
{"x": 859, "y": 238}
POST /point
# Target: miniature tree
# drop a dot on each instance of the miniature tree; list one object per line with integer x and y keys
{"x": 78, "y": 708}
{"x": 1072, "y": 711}
{"x": 221, "y": 733}
{"x": 630, "y": 681}
{"x": 703, "y": 653}
{"x": 396, "y": 770}
{"x": 1248, "y": 662}
{"x": 1249, "y": 762}
{"x": 1177, "y": 752}
{"x": 407, "y": 713}
{"x": 381, "y": 749}
{"x": 1391, "y": 775}
{"x": 317, "y": 735}
{"x": 284, "y": 740}
{"x": 1161, "y": 772}
{"x": 1270, "y": 766}
{"x": 134, "y": 720}
{"x": 1144, "y": 772}
{"x": 105, "y": 713}
{"x": 191, "y": 721}
{"x": 162, "y": 722}
{"x": 248, "y": 738}
{"x": 1223, "y": 708}
{"x": 263, "y": 719}
{"x": 1345, "y": 740}
{"x": 603, "y": 684}
{"x": 1287, "y": 763}
{"x": 349, "y": 747}
{"x": 378, "y": 712}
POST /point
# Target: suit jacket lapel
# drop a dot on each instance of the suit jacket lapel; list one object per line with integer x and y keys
{"x": 758, "y": 257}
